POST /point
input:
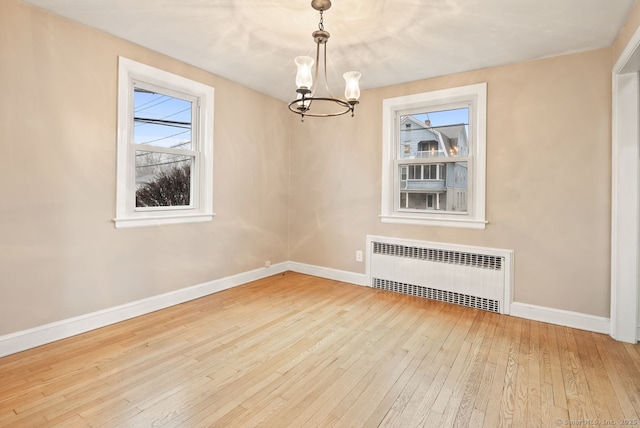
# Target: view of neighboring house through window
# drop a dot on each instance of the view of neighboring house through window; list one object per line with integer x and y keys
{"x": 165, "y": 147}
{"x": 434, "y": 159}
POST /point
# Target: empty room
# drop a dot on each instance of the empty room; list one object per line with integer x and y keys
{"x": 303, "y": 213}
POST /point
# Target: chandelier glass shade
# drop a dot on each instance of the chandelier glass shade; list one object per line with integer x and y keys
{"x": 307, "y": 75}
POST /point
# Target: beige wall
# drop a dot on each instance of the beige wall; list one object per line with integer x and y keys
{"x": 548, "y": 179}
{"x": 60, "y": 255}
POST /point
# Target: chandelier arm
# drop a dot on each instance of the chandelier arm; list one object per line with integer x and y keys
{"x": 317, "y": 65}
{"x": 324, "y": 63}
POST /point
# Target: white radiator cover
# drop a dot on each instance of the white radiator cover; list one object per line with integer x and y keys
{"x": 471, "y": 276}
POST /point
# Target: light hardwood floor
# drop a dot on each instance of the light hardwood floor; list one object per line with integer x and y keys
{"x": 294, "y": 350}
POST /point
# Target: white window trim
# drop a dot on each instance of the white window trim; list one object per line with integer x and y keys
{"x": 126, "y": 214}
{"x": 475, "y": 217}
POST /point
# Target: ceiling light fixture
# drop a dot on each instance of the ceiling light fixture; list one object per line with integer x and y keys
{"x": 330, "y": 105}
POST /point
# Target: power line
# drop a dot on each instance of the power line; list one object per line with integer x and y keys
{"x": 156, "y": 104}
{"x": 178, "y": 112}
{"x": 172, "y": 114}
{"x": 164, "y": 138}
{"x": 172, "y": 123}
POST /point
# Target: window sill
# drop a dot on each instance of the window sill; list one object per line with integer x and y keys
{"x": 467, "y": 223}
{"x": 127, "y": 222}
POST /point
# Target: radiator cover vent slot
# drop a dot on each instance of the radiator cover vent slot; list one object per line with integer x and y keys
{"x": 440, "y": 295}
{"x": 476, "y": 277}
{"x": 442, "y": 256}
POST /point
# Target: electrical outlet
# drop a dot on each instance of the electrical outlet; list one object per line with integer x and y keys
{"x": 267, "y": 263}
{"x": 358, "y": 256}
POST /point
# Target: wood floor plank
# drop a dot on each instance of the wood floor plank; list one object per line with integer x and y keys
{"x": 579, "y": 402}
{"x": 498, "y": 357}
{"x": 533, "y": 414}
{"x": 521, "y": 388}
{"x": 546, "y": 377}
{"x": 298, "y": 350}
{"x": 489, "y": 372}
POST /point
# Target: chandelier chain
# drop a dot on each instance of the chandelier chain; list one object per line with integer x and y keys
{"x": 321, "y": 24}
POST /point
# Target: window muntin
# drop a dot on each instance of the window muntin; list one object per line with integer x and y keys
{"x": 165, "y": 147}
{"x": 434, "y": 158}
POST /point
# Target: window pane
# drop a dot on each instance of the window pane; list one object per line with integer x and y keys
{"x": 422, "y": 177}
{"x": 435, "y": 134}
{"x": 457, "y": 186}
{"x": 161, "y": 120}
{"x": 163, "y": 179}
{"x": 432, "y": 172}
{"x": 442, "y": 187}
{"x": 403, "y": 177}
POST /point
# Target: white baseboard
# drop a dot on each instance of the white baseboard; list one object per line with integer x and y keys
{"x": 22, "y": 340}
{"x": 561, "y": 317}
{"x": 324, "y": 272}
{"x": 26, "y": 339}
{"x": 522, "y": 310}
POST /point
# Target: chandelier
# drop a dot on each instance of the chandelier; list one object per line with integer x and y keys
{"x": 329, "y": 105}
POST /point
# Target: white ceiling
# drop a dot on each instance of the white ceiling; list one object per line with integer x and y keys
{"x": 254, "y": 42}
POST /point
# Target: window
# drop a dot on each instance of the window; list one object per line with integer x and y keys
{"x": 434, "y": 158}
{"x": 165, "y": 147}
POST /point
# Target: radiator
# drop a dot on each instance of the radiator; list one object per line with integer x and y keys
{"x": 476, "y": 277}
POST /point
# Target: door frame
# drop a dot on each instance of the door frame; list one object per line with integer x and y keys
{"x": 625, "y": 207}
